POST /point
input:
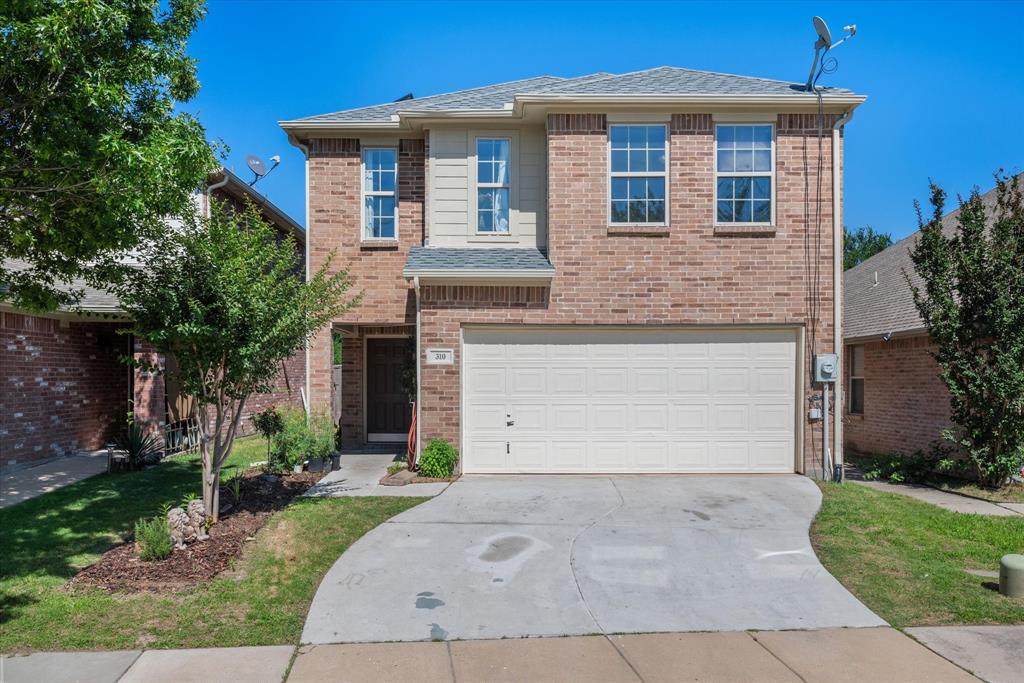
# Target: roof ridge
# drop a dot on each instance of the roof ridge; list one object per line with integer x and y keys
{"x": 427, "y": 97}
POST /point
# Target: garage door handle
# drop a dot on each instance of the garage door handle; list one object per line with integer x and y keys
{"x": 509, "y": 421}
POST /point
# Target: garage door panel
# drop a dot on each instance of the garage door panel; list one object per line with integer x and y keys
{"x": 487, "y": 417}
{"x": 488, "y": 456}
{"x": 568, "y": 381}
{"x": 603, "y": 400}
{"x": 527, "y": 381}
{"x": 650, "y": 455}
{"x": 610, "y": 417}
{"x": 691, "y": 455}
{"x": 651, "y": 417}
{"x": 609, "y": 381}
{"x": 647, "y": 381}
{"x": 485, "y": 381}
{"x": 730, "y": 417}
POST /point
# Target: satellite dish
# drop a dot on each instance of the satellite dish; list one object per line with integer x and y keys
{"x": 256, "y": 165}
{"x": 824, "y": 35}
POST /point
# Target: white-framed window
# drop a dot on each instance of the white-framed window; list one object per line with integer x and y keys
{"x": 380, "y": 204}
{"x": 857, "y": 380}
{"x": 493, "y": 185}
{"x": 638, "y": 174}
{"x": 745, "y": 173}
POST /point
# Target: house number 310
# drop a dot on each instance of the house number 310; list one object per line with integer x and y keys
{"x": 440, "y": 357}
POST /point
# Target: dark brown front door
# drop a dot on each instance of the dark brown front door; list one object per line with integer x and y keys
{"x": 388, "y": 411}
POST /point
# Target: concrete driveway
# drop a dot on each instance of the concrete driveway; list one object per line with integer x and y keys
{"x": 501, "y": 556}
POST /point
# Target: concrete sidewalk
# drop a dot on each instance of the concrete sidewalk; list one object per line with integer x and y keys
{"x": 28, "y": 482}
{"x": 360, "y": 474}
{"x": 949, "y": 501}
{"x": 878, "y": 655}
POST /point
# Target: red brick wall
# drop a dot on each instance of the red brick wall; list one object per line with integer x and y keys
{"x": 62, "y": 386}
{"x": 376, "y": 268}
{"x": 906, "y": 404}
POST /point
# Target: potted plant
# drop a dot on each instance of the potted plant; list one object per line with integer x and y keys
{"x": 268, "y": 424}
{"x": 321, "y": 442}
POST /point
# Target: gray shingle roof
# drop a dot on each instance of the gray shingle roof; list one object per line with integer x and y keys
{"x": 664, "y": 80}
{"x": 870, "y": 309}
{"x": 463, "y": 260}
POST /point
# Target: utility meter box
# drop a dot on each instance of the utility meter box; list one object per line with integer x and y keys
{"x": 826, "y": 368}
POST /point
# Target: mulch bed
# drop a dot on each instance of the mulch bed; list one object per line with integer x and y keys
{"x": 121, "y": 570}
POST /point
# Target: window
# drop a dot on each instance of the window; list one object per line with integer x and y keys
{"x": 638, "y": 174}
{"x": 493, "y": 185}
{"x": 380, "y": 177}
{"x": 857, "y": 380}
{"x": 744, "y": 167}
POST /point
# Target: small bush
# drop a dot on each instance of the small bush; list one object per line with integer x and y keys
{"x": 154, "y": 538}
{"x": 395, "y": 467}
{"x": 142, "y": 448}
{"x": 300, "y": 439}
{"x": 438, "y": 459}
{"x": 918, "y": 467}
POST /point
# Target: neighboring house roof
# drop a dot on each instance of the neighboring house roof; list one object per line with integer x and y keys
{"x": 664, "y": 81}
{"x": 239, "y": 189}
{"x": 877, "y": 300}
{"x": 99, "y": 301}
{"x": 468, "y": 261}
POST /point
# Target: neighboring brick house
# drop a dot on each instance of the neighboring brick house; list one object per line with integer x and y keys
{"x": 64, "y": 386}
{"x": 611, "y": 273}
{"x": 896, "y": 401}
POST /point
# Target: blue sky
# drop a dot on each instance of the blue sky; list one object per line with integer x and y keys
{"x": 943, "y": 78}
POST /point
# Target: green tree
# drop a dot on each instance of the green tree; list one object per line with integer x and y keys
{"x": 93, "y": 156}
{"x": 862, "y": 244}
{"x": 227, "y": 299}
{"x": 972, "y": 302}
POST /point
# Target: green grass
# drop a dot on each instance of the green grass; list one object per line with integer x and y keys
{"x": 262, "y": 601}
{"x": 1012, "y": 493}
{"x": 905, "y": 559}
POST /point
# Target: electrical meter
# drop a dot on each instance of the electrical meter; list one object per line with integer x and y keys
{"x": 826, "y": 368}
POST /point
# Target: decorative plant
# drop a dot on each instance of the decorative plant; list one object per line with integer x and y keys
{"x": 234, "y": 486}
{"x": 142, "y": 448}
{"x": 971, "y": 299}
{"x": 268, "y": 424}
{"x": 438, "y": 459}
{"x": 226, "y": 296}
{"x": 395, "y": 467}
{"x": 153, "y": 537}
{"x": 303, "y": 438}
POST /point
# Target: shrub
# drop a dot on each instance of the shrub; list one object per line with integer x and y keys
{"x": 142, "y": 448}
{"x": 918, "y": 467}
{"x": 438, "y": 459}
{"x": 300, "y": 438}
{"x": 153, "y": 537}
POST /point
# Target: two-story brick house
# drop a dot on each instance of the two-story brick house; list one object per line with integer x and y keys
{"x": 611, "y": 273}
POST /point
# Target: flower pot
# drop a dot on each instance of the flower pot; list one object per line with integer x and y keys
{"x": 336, "y": 461}
{"x": 297, "y": 469}
{"x": 316, "y": 464}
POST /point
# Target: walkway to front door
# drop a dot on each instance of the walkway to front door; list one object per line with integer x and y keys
{"x": 512, "y": 556}
{"x": 388, "y": 412}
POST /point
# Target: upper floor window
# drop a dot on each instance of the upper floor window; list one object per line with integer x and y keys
{"x": 744, "y": 170}
{"x": 493, "y": 184}
{"x": 857, "y": 380}
{"x": 380, "y": 178}
{"x": 638, "y": 174}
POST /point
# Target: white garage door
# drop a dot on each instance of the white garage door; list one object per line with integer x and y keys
{"x": 628, "y": 400}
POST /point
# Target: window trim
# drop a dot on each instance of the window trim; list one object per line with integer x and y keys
{"x": 742, "y": 174}
{"x": 364, "y": 193}
{"x": 476, "y": 232}
{"x": 852, "y": 377}
{"x": 628, "y": 174}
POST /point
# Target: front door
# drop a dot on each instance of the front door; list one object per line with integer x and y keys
{"x": 388, "y": 410}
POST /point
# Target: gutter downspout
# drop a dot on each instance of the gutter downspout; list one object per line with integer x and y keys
{"x": 837, "y": 290}
{"x": 306, "y": 395}
{"x": 209, "y": 191}
{"x": 419, "y": 364}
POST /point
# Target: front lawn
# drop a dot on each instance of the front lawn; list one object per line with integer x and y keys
{"x": 906, "y": 559}
{"x": 262, "y": 601}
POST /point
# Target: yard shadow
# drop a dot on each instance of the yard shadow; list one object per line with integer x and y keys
{"x": 58, "y": 533}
